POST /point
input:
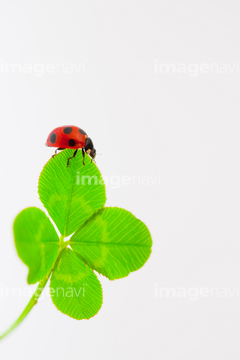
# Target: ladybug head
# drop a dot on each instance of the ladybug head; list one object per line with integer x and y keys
{"x": 89, "y": 148}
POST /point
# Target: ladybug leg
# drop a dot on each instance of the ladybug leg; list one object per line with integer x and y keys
{"x": 83, "y": 154}
{"x": 74, "y": 154}
{"x": 57, "y": 151}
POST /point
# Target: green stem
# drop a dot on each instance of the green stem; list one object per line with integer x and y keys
{"x": 34, "y": 299}
{"x": 28, "y": 308}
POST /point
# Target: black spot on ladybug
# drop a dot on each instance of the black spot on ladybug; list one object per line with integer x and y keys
{"x": 71, "y": 142}
{"x": 53, "y": 138}
{"x": 67, "y": 130}
{"x": 82, "y": 132}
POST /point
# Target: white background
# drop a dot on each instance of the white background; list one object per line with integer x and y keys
{"x": 144, "y": 123}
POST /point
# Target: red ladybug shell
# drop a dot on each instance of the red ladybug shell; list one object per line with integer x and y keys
{"x": 67, "y": 137}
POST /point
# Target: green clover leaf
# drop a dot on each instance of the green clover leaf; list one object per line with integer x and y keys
{"x": 110, "y": 241}
{"x": 36, "y": 242}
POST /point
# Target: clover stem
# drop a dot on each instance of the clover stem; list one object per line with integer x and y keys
{"x": 28, "y": 308}
{"x": 34, "y": 299}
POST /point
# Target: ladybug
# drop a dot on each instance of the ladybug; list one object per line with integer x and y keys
{"x": 71, "y": 137}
